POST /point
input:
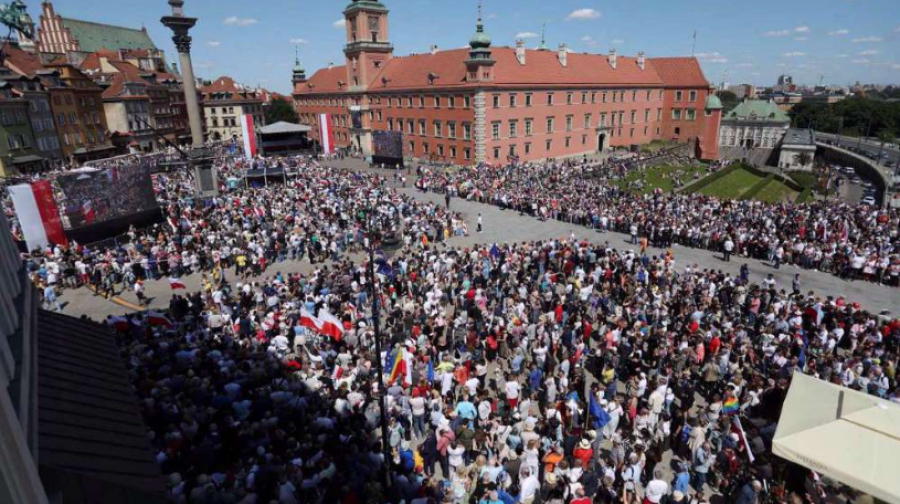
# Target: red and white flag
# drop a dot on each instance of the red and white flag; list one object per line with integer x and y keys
{"x": 87, "y": 209}
{"x": 326, "y": 134}
{"x": 248, "y": 130}
{"x": 309, "y": 320}
{"x": 176, "y": 283}
{"x": 352, "y": 309}
{"x": 38, "y": 214}
{"x": 156, "y": 319}
{"x": 331, "y": 325}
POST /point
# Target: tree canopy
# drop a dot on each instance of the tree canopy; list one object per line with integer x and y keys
{"x": 280, "y": 109}
{"x": 856, "y": 113}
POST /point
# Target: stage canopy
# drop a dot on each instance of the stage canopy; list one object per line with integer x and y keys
{"x": 843, "y": 434}
{"x": 282, "y": 127}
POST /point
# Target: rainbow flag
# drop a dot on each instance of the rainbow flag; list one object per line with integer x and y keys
{"x": 730, "y": 405}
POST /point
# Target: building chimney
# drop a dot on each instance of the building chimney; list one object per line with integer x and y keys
{"x": 612, "y": 58}
{"x": 641, "y": 60}
{"x": 434, "y": 49}
{"x": 563, "y": 54}
{"x": 520, "y": 51}
{"x": 330, "y": 65}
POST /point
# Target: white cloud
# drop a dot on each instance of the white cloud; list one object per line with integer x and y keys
{"x": 871, "y": 52}
{"x": 587, "y": 38}
{"x": 801, "y": 39}
{"x": 239, "y": 21}
{"x": 583, "y": 14}
{"x": 617, "y": 41}
{"x": 340, "y": 23}
{"x": 296, "y": 41}
{"x": 744, "y": 65}
{"x": 491, "y": 16}
{"x": 842, "y": 31}
{"x": 213, "y": 43}
{"x": 842, "y": 56}
{"x": 526, "y": 35}
{"x": 713, "y": 57}
{"x": 893, "y": 66}
{"x": 777, "y": 33}
{"x": 867, "y": 39}
{"x": 781, "y": 65}
{"x": 801, "y": 29}
{"x": 794, "y": 54}
{"x": 861, "y": 61}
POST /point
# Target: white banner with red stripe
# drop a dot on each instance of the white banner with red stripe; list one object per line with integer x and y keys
{"x": 38, "y": 214}
{"x": 248, "y": 129}
{"x": 326, "y": 133}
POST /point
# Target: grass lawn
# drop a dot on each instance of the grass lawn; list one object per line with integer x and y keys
{"x": 732, "y": 186}
{"x": 738, "y": 182}
{"x": 776, "y": 192}
{"x": 659, "y": 177}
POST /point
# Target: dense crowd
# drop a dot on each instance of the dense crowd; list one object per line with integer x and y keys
{"x": 314, "y": 214}
{"x": 542, "y": 372}
{"x": 851, "y": 241}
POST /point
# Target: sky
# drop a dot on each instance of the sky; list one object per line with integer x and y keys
{"x": 832, "y": 41}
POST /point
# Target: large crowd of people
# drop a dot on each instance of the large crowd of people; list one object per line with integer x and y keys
{"x": 565, "y": 371}
{"x": 850, "y": 241}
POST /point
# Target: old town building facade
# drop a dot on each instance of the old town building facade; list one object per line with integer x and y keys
{"x": 490, "y": 104}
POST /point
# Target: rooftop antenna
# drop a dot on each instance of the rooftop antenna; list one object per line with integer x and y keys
{"x": 694, "y": 44}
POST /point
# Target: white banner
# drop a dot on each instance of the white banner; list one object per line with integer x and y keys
{"x": 29, "y": 216}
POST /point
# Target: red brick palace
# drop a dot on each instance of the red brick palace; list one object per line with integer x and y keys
{"x": 484, "y": 103}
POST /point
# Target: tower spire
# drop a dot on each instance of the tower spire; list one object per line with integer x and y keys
{"x": 543, "y": 46}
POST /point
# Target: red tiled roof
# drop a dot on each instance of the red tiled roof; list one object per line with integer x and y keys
{"x": 22, "y": 61}
{"x": 325, "y": 81}
{"x": 542, "y": 68}
{"x": 223, "y": 84}
{"x": 680, "y": 71}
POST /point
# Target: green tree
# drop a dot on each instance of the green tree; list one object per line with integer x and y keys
{"x": 803, "y": 159}
{"x": 729, "y": 100}
{"x": 280, "y": 109}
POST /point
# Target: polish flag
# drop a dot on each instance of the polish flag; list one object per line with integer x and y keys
{"x": 331, "y": 325}
{"x": 176, "y": 284}
{"x": 155, "y": 318}
{"x": 310, "y": 321}
{"x": 352, "y": 309}
{"x": 87, "y": 208}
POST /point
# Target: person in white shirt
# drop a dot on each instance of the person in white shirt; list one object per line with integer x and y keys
{"x": 657, "y": 488}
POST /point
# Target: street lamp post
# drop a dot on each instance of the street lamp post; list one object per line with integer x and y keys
{"x": 376, "y": 324}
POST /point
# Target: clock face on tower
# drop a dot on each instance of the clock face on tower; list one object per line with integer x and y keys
{"x": 373, "y": 23}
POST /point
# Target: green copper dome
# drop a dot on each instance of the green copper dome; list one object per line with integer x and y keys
{"x": 713, "y": 103}
{"x": 480, "y": 40}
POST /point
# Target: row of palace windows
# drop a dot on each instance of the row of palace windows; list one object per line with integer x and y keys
{"x": 511, "y": 99}
{"x": 420, "y": 128}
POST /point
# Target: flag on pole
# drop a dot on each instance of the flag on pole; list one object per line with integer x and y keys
{"x": 331, "y": 325}
{"x": 309, "y": 321}
{"x": 430, "y": 372}
{"x": 176, "y": 283}
{"x": 119, "y": 323}
{"x": 731, "y": 405}
{"x": 398, "y": 367}
{"x": 601, "y": 417}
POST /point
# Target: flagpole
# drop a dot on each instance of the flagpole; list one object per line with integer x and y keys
{"x": 385, "y": 439}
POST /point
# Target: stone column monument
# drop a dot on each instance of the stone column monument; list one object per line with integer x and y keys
{"x": 199, "y": 157}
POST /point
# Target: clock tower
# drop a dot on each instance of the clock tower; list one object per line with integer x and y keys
{"x": 368, "y": 48}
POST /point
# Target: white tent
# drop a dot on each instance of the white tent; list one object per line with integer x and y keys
{"x": 846, "y": 435}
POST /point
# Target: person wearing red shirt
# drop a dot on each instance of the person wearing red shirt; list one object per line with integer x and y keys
{"x": 583, "y": 452}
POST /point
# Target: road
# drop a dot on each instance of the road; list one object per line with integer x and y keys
{"x": 870, "y": 147}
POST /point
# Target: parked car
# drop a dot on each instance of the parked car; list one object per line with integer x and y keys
{"x": 868, "y": 200}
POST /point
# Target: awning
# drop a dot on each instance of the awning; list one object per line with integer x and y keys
{"x": 31, "y": 158}
{"x": 282, "y": 127}
{"x": 846, "y": 435}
